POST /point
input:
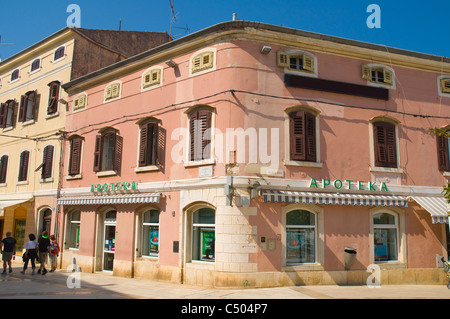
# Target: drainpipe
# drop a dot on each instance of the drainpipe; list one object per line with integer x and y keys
{"x": 58, "y": 193}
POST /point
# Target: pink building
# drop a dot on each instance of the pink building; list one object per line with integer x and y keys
{"x": 252, "y": 155}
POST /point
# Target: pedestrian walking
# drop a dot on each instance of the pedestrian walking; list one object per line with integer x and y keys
{"x": 53, "y": 252}
{"x": 8, "y": 249}
{"x": 30, "y": 254}
{"x": 42, "y": 247}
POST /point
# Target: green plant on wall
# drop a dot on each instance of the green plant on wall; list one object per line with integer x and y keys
{"x": 442, "y": 132}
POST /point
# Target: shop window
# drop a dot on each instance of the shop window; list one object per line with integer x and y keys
{"x": 148, "y": 143}
{"x": 74, "y": 229}
{"x": 108, "y": 151}
{"x": 23, "y": 166}
{"x": 150, "y": 233}
{"x": 200, "y": 134}
{"x": 302, "y": 136}
{"x": 203, "y": 234}
{"x": 385, "y": 144}
{"x": 28, "y": 107}
{"x": 385, "y": 227}
{"x": 3, "y": 168}
{"x": 53, "y": 97}
{"x": 76, "y": 143}
{"x": 300, "y": 237}
{"x": 8, "y": 114}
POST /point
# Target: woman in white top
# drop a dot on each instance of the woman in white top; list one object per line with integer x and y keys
{"x": 30, "y": 254}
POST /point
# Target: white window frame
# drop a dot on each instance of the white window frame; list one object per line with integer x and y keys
{"x": 38, "y": 69}
{"x": 381, "y": 84}
{"x": 193, "y": 56}
{"x": 142, "y": 224}
{"x": 152, "y": 86}
{"x": 288, "y": 70}
{"x": 18, "y": 77}
{"x": 79, "y": 108}
{"x": 401, "y": 236}
{"x": 61, "y": 58}
{"x": 439, "y": 79}
{"x": 105, "y": 100}
{"x": 70, "y": 222}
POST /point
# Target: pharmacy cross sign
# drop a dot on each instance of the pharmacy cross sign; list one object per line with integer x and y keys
{"x": 349, "y": 184}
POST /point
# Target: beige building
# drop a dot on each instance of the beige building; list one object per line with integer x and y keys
{"x": 32, "y": 118}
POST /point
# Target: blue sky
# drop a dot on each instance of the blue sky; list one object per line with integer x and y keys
{"x": 411, "y": 25}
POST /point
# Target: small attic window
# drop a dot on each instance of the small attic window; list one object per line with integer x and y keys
{"x": 378, "y": 74}
{"x": 112, "y": 91}
{"x": 445, "y": 85}
{"x": 202, "y": 61}
{"x": 79, "y": 102}
{"x": 35, "y": 65}
{"x": 59, "y": 53}
{"x": 151, "y": 78}
{"x": 297, "y": 61}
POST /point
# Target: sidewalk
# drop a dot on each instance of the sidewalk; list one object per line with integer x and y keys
{"x": 105, "y": 286}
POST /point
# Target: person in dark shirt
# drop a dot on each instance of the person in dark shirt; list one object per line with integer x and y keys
{"x": 42, "y": 248}
{"x": 8, "y": 249}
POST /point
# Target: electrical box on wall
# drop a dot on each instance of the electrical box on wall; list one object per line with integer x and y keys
{"x": 243, "y": 201}
{"x": 262, "y": 243}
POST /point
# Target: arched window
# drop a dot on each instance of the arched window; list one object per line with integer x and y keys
{"x": 300, "y": 237}
{"x": 385, "y": 144}
{"x": 200, "y": 130}
{"x": 302, "y": 136}
{"x": 36, "y": 65}
{"x": 23, "y": 166}
{"x": 108, "y": 151}
{"x": 385, "y": 227}
{"x": 3, "y": 168}
{"x": 59, "y": 53}
{"x": 15, "y": 75}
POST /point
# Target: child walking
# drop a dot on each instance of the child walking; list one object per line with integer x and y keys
{"x": 53, "y": 252}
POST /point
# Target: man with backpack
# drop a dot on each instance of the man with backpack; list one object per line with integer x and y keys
{"x": 43, "y": 246}
{"x": 8, "y": 249}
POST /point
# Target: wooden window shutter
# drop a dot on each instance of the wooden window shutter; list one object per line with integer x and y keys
{"x": 297, "y": 136}
{"x": 143, "y": 145}
{"x": 205, "y": 117}
{"x": 385, "y": 144}
{"x": 282, "y": 59}
{"x": 23, "y": 167}
{"x": 23, "y": 108}
{"x": 387, "y": 76}
{"x": 366, "y": 73}
{"x": 48, "y": 162}
{"x": 115, "y": 90}
{"x": 445, "y": 85}
{"x": 308, "y": 63}
{"x": 3, "y": 168}
{"x": 310, "y": 137}
{"x": 75, "y": 156}
{"x": 3, "y": 111}
{"x": 442, "y": 147}
{"x": 118, "y": 148}
{"x": 155, "y": 143}
{"x": 108, "y": 93}
{"x": 194, "y": 139}
{"x": 53, "y": 98}
{"x": 98, "y": 153}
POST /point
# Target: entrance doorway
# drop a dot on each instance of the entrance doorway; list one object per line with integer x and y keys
{"x": 45, "y": 220}
{"x": 109, "y": 240}
{"x": 19, "y": 235}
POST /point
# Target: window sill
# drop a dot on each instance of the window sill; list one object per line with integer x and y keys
{"x": 299, "y": 267}
{"x": 300, "y": 72}
{"x": 46, "y": 180}
{"x": 390, "y": 264}
{"x": 72, "y": 177}
{"x": 6, "y": 129}
{"x": 22, "y": 183}
{"x": 60, "y": 59}
{"x": 446, "y": 174}
{"x": 29, "y": 122}
{"x": 149, "y": 168}
{"x": 386, "y": 170}
{"x": 50, "y": 116}
{"x": 303, "y": 163}
{"x": 106, "y": 173}
{"x": 148, "y": 258}
{"x": 35, "y": 71}
{"x": 210, "y": 161}
{"x": 2, "y": 184}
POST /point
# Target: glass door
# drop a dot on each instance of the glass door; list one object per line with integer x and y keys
{"x": 109, "y": 243}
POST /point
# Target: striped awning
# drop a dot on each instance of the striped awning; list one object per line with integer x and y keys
{"x": 140, "y": 198}
{"x": 436, "y": 206}
{"x": 276, "y": 196}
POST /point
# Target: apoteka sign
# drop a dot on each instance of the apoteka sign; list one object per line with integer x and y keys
{"x": 349, "y": 185}
{"x": 113, "y": 187}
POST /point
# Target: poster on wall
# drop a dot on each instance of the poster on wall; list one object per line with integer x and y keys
{"x": 208, "y": 238}
{"x": 294, "y": 242}
{"x": 154, "y": 240}
{"x": 380, "y": 244}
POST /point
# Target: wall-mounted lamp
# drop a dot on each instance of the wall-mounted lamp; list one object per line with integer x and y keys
{"x": 171, "y": 63}
{"x": 62, "y": 101}
{"x": 266, "y": 49}
{"x": 254, "y": 189}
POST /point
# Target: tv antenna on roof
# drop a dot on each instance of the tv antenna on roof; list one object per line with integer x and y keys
{"x": 4, "y": 44}
{"x": 173, "y": 19}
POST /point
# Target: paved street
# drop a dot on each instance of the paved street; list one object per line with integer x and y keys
{"x": 105, "y": 286}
